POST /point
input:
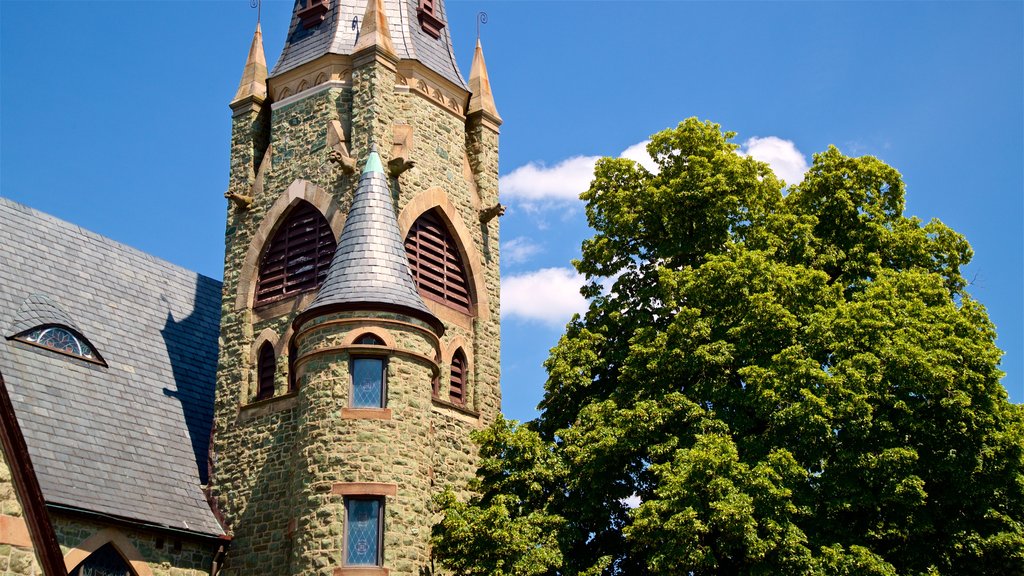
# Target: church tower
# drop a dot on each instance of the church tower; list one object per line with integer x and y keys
{"x": 360, "y": 328}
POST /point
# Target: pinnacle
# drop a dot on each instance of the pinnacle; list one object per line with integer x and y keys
{"x": 374, "y": 29}
{"x": 254, "y": 75}
{"x": 482, "y": 99}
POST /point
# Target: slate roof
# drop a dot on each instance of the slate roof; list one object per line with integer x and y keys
{"x": 128, "y": 439}
{"x": 370, "y": 265}
{"x": 337, "y": 35}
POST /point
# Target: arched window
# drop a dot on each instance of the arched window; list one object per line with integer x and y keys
{"x": 63, "y": 340}
{"x": 266, "y": 367}
{"x": 435, "y": 262}
{"x": 105, "y": 561}
{"x": 371, "y": 339}
{"x": 457, "y": 390}
{"x": 298, "y": 256}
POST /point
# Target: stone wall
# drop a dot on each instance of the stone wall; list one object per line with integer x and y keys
{"x": 148, "y": 551}
{"x": 17, "y": 556}
{"x": 277, "y": 461}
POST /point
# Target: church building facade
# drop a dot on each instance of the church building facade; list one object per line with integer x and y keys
{"x": 358, "y": 319}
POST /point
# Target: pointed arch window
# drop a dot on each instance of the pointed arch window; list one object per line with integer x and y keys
{"x": 436, "y": 263}
{"x": 61, "y": 339}
{"x": 457, "y": 389}
{"x": 105, "y": 561}
{"x": 298, "y": 256}
{"x": 266, "y": 367}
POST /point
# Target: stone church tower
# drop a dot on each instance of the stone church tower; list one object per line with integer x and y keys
{"x": 360, "y": 323}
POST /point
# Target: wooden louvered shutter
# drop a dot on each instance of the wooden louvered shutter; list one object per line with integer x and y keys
{"x": 266, "y": 366}
{"x": 298, "y": 256}
{"x": 457, "y": 391}
{"x": 436, "y": 264}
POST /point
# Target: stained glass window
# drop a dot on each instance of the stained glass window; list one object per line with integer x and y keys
{"x": 363, "y": 531}
{"x": 60, "y": 339}
{"x": 368, "y": 382}
{"x": 105, "y": 561}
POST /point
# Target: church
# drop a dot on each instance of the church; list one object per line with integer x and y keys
{"x": 298, "y": 417}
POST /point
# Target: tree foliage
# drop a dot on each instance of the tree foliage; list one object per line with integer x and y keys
{"x": 780, "y": 381}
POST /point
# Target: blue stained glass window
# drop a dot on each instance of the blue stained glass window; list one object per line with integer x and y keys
{"x": 363, "y": 532}
{"x": 367, "y": 382}
{"x": 60, "y": 339}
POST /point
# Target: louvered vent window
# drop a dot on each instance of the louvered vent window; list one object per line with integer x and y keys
{"x": 436, "y": 264}
{"x": 266, "y": 366}
{"x": 298, "y": 256}
{"x": 430, "y": 19}
{"x": 457, "y": 391}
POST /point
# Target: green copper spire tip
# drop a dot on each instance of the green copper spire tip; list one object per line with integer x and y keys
{"x": 373, "y": 163}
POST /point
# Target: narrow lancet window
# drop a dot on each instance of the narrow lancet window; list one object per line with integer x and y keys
{"x": 266, "y": 367}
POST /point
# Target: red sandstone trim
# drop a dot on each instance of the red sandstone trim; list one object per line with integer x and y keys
{"x": 365, "y": 489}
{"x": 25, "y": 483}
{"x": 361, "y": 571}
{"x": 366, "y": 413}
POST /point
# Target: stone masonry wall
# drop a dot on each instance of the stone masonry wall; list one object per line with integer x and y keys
{"x": 164, "y": 555}
{"x": 15, "y": 560}
{"x": 275, "y": 459}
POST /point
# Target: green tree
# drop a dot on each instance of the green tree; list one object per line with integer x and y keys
{"x": 778, "y": 382}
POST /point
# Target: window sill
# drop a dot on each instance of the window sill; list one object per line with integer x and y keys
{"x": 439, "y": 403}
{"x": 361, "y": 571}
{"x": 267, "y": 406}
{"x": 366, "y": 413}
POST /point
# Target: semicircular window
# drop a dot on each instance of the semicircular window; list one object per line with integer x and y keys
{"x": 63, "y": 340}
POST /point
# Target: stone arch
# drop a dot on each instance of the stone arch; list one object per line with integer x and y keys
{"x": 386, "y": 336}
{"x": 299, "y": 190}
{"x": 250, "y": 383}
{"x": 115, "y": 538}
{"x": 435, "y": 197}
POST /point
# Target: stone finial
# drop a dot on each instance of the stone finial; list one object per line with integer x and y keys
{"x": 254, "y": 76}
{"x": 482, "y": 99}
{"x": 374, "y": 30}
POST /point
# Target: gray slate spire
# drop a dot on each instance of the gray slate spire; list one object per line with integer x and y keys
{"x": 339, "y": 31}
{"x": 370, "y": 265}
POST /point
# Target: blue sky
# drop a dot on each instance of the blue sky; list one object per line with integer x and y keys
{"x": 114, "y": 115}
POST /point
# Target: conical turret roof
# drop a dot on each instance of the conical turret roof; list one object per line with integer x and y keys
{"x": 370, "y": 267}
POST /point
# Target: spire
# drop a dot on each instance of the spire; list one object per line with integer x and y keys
{"x": 254, "y": 75}
{"x": 482, "y": 99}
{"x": 374, "y": 29}
{"x": 370, "y": 266}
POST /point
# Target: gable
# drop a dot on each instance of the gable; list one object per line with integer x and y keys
{"x": 128, "y": 439}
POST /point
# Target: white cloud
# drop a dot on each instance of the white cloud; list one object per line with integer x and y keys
{"x": 518, "y": 250}
{"x": 562, "y": 182}
{"x": 638, "y": 153}
{"x": 538, "y": 186}
{"x": 786, "y": 161}
{"x": 548, "y": 296}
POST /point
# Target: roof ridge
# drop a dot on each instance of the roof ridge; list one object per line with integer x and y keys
{"x": 58, "y": 221}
